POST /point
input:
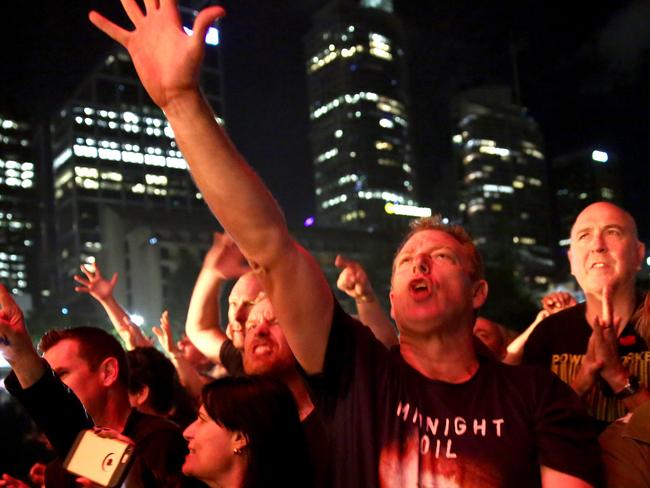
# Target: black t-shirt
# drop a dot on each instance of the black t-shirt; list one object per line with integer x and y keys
{"x": 231, "y": 358}
{"x": 560, "y": 342}
{"x": 390, "y": 426}
{"x": 316, "y": 437}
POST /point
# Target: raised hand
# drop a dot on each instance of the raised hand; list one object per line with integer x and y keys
{"x": 166, "y": 59}
{"x": 585, "y": 378}
{"x": 14, "y": 337}
{"x": 353, "y": 280}
{"x": 94, "y": 283}
{"x": 132, "y": 335}
{"x": 15, "y": 343}
{"x": 165, "y": 336}
{"x": 558, "y": 300}
{"x": 225, "y": 258}
{"x": 606, "y": 342}
{"x": 187, "y": 372}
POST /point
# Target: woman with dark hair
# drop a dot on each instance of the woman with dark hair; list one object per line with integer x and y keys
{"x": 247, "y": 435}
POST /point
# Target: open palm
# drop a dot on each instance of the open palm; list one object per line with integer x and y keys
{"x": 166, "y": 59}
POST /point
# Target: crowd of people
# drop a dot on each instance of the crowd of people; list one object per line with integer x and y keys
{"x": 293, "y": 391}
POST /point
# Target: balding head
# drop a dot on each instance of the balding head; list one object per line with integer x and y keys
{"x": 605, "y": 249}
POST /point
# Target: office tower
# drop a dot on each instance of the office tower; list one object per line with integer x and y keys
{"x": 359, "y": 123}
{"x": 580, "y": 178}
{"x": 112, "y": 147}
{"x": 504, "y": 191}
{"x": 18, "y": 211}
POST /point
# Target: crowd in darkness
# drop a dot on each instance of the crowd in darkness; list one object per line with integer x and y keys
{"x": 295, "y": 392}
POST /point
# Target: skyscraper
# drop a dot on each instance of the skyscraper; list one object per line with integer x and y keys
{"x": 112, "y": 146}
{"x": 359, "y": 129}
{"x": 18, "y": 210}
{"x": 580, "y": 178}
{"x": 505, "y": 200}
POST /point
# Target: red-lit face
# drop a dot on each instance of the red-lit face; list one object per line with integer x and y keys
{"x": 210, "y": 446}
{"x": 604, "y": 248}
{"x": 431, "y": 287}
{"x": 65, "y": 359}
{"x": 266, "y": 350}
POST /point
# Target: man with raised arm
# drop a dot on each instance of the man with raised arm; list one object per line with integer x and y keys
{"x": 82, "y": 381}
{"x": 222, "y": 262}
{"x": 428, "y": 414}
{"x": 599, "y": 347}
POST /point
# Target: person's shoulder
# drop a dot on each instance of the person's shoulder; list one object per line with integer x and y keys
{"x": 555, "y": 326}
{"x": 569, "y": 316}
{"x": 145, "y": 426}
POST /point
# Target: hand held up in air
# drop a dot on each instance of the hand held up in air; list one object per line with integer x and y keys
{"x": 165, "y": 336}
{"x": 94, "y": 283}
{"x": 353, "y": 280}
{"x": 606, "y": 343}
{"x": 166, "y": 59}
{"x": 225, "y": 258}
{"x": 16, "y": 344}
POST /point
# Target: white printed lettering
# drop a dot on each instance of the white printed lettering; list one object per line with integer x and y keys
{"x": 482, "y": 427}
{"x": 459, "y": 425}
{"x": 497, "y": 423}
{"x": 424, "y": 444}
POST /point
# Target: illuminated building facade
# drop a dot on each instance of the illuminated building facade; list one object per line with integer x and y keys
{"x": 359, "y": 124}
{"x": 504, "y": 194}
{"x": 147, "y": 248}
{"x": 18, "y": 210}
{"x": 111, "y": 146}
{"x": 579, "y": 179}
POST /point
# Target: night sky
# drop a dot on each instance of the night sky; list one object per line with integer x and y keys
{"x": 583, "y": 76}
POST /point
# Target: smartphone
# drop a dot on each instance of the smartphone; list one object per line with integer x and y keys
{"x": 102, "y": 460}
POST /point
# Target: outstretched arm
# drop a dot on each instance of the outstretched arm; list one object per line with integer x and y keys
{"x": 354, "y": 281}
{"x": 101, "y": 290}
{"x": 222, "y": 262}
{"x": 187, "y": 374}
{"x": 551, "y": 303}
{"x": 167, "y": 62}
{"x": 16, "y": 345}
{"x": 515, "y": 350}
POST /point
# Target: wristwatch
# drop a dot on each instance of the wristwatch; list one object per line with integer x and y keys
{"x": 630, "y": 388}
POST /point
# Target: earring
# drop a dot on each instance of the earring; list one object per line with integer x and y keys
{"x": 237, "y": 451}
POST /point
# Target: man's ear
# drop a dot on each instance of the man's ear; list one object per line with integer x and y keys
{"x": 479, "y": 294}
{"x": 569, "y": 255}
{"x": 110, "y": 371}
{"x": 640, "y": 250}
{"x": 392, "y": 311}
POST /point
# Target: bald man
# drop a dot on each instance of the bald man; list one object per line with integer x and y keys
{"x": 595, "y": 346}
